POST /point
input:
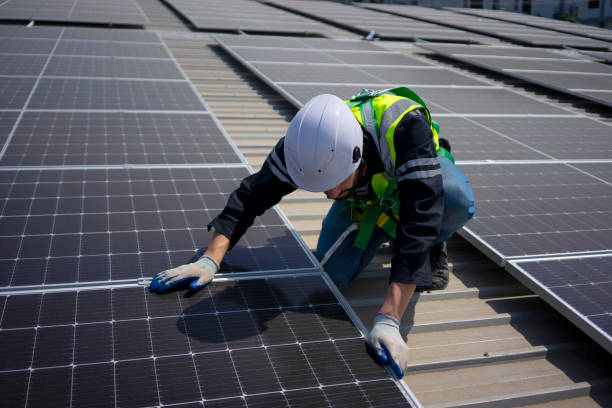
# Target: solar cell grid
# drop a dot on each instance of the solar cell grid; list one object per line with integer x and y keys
{"x": 590, "y": 80}
{"x": 60, "y": 139}
{"x": 91, "y": 94}
{"x": 247, "y": 16}
{"x": 7, "y": 120}
{"x": 27, "y": 46}
{"x": 19, "y": 31}
{"x": 234, "y": 341}
{"x": 386, "y": 26}
{"x": 538, "y": 209}
{"x": 559, "y": 138}
{"x": 581, "y": 288}
{"x": 81, "y": 11}
{"x": 601, "y": 170}
{"x": 112, "y": 68}
{"x": 82, "y": 225}
{"x": 111, "y": 49}
{"x": 14, "y": 91}
{"x": 541, "y": 22}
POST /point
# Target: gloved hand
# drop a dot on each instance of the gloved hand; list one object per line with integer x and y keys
{"x": 201, "y": 272}
{"x": 387, "y": 344}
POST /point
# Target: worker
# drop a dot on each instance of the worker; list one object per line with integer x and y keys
{"x": 378, "y": 156}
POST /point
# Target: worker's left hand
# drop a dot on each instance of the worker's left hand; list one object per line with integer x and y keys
{"x": 387, "y": 344}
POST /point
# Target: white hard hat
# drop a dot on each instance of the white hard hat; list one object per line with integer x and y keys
{"x": 323, "y": 144}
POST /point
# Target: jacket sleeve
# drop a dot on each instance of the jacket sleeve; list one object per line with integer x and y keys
{"x": 256, "y": 193}
{"x": 421, "y": 199}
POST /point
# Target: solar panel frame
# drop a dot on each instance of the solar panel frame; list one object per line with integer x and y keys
{"x": 221, "y": 328}
{"x": 565, "y": 296}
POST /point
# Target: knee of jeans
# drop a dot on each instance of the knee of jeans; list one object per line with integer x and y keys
{"x": 340, "y": 274}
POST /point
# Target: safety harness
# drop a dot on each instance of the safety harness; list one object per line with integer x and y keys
{"x": 384, "y": 211}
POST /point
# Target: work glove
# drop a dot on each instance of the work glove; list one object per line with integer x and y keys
{"x": 199, "y": 273}
{"x": 387, "y": 345}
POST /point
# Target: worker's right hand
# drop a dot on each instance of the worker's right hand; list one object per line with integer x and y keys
{"x": 199, "y": 273}
{"x": 387, "y": 344}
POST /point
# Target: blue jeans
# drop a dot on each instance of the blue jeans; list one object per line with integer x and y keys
{"x": 347, "y": 262}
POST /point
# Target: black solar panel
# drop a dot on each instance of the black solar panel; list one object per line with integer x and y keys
{"x": 112, "y": 68}
{"x": 246, "y": 16}
{"x": 263, "y": 342}
{"x": 65, "y": 139}
{"x": 580, "y": 288}
{"x": 579, "y": 77}
{"x": 600, "y": 170}
{"x": 80, "y": 225}
{"x": 14, "y": 91}
{"x": 111, "y": 49}
{"x": 584, "y": 30}
{"x": 387, "y": 26}
{"x": 88, "y": 94}
{"x": 81, "y": 11}
{"x": 559, "y": 138}
{"x": 7, "y": 120}
{"x": 538, "y": 209}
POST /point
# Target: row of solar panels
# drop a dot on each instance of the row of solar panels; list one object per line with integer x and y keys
{"x": 388, "y": 21}
{"x": 540, "y": 173}
{"x": 111, "y": 167}
{"x": 62, "y": 107}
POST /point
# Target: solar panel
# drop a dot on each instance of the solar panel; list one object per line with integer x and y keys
{"x": 26, "y": 46}
{"x": 472, "y": 141}
{"x": 584, "y": 30}
{"x": 246, "y": 16}
{"x": 73, "y": 66}
{"x": 579, "y": 288}
{"x": 600, "y": 170}
{"x": 81, "y": 225}
{"x": 7, "y": 121}
{"x": 527, "y": 210}
{"x": 572, "y": 138}
{"x": 584, "y": 79}
{"x": 81, "y": 11}
{"x": 111, "y": 49}
{"x": 66, "y": 139}
{"x": 14, "y": 91}
{"x": 363, "y": 21}
{"x": 22, "y": 64}
{"x": 516, "y": 33}
{"x": 88, "y": 94}
{"x": 299, "y": 81}
{"x": 284, "y": 341}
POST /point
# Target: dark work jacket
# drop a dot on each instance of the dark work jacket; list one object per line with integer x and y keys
{"x": 421, "y": 199}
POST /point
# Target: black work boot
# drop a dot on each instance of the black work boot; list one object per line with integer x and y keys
{"x": 438, "y": 257}
{"x": 444, "y": 144}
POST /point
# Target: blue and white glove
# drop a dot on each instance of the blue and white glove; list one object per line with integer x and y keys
{"x": 199, "y": 273}
{"x": 387, "y": 344}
